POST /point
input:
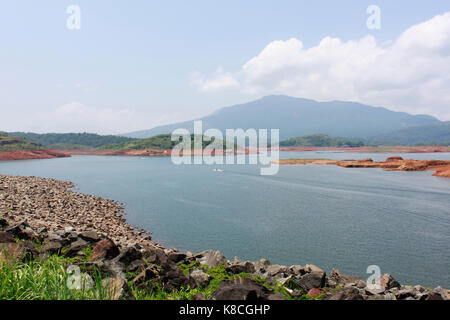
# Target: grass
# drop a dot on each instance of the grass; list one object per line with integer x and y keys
{"x": 44, "y": 280}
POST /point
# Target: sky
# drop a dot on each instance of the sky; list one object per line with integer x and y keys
{"x": 133, "y": 65}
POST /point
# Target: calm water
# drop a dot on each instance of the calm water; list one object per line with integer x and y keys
{"x": 325, "y": 215}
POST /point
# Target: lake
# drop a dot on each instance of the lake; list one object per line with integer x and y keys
{"x": 324, "y": 215}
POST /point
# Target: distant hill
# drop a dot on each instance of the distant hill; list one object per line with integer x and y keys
{"x": 320, "y": 140}
{"x": 12, "y": 143}
{"x": 437, "y": 133}
{"x": 162, "y": 141}
{"x": 300, "y": 117}
{"x": 71, "y": 141}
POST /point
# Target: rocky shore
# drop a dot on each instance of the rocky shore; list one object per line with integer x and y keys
{"x": 441, "y": 167}
{"x": 32, "y": 154}
{"x": 46, "y": 212}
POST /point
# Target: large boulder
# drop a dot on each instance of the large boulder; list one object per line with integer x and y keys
{"x": 53, "y": 247}
{"x": 211, "y": 258}
{"x": 129, "y": 255}
{"x": 201, "y": 278}
{"x": 311, "y": 280}
{"x": 242, "y": 267}
{"x": 75, "y": 247}
{"x": 240, "y": 289}
{"x": 105, "y": 249}
{"x": 89, "y": 236}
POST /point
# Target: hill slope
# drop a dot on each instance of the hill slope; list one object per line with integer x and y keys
{"x": 75, "y": 141}
{"x": 438, "y": 133}
{"x": 319, "y": 140}
{"x": 299, "y": 117}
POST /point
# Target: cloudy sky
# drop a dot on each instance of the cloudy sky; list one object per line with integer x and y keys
{"x": 135, "y": 65}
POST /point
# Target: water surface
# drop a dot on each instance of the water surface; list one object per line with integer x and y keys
{"x": 325, "y": 215}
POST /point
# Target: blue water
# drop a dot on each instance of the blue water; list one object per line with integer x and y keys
{"x": 324, "y": 215}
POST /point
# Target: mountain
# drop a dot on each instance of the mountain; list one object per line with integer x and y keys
{"x": 436, "y": 133}
{"x": 319, "y": 140}
{"x": 71, "y": 141}
{"x": 300, "y": 117}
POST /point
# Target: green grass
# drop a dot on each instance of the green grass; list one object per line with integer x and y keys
{"x": 44, "y": 280}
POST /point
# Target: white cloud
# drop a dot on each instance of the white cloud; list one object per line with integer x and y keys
{"x": 410, "y": 73}
{"x": 221, "y": 80}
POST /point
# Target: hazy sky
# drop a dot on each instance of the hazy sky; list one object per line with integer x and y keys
{"x": 136, "y": 64}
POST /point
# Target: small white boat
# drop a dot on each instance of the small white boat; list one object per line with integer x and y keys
{"x": 218, "y": 170}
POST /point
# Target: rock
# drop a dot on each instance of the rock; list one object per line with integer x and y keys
{"x": 240, "y": 267}
{"x": 177, "y": 257}
{"x": 388, "y": 282}
{"x": 430, "y": 296}
{"x": 136, "y": 266}
{"x": 129, "y": 255}
{"x": 76, "y": 246}
{"x": 311, "y": 280}
{"x": 274, "y": 270}
{"x": 315, "y": 292}
{"x": 199, "y": 296}
{"x": 312, "y": 268}
{"x": 6, "y": 237}
{"x": 147, "y": 276}
{"x": 116, "y": 289}
{"x": 89, "y": 236}
{"x": 261, "y": 265}
{"x": 391, "y": 159}
{"x": 405, "y": 293}
{"x": 354, "y": 296}
{"x": 240, "y": 289}
{"x": 11, "y": 253}
{"x": 297, "y": 270}
{"x": 211, "y": 258}
{"x": 201, "y": 278}
{"x": 175, "y": 279}
{"x": 337, "y": 296}
{"x": 276, "y": 296}
{"x": 20, "y": 231}
{"x": 69, "y": 229}
{"x": 105, "y": 249}
{"x": 3, "y": 223}
{"x": 339, "y": 278}
{"x": 53, "y": 247}
{"x": 374, "y": 290}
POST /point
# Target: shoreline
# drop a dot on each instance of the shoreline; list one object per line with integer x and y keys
{"x": 32, "y": 207}
{"x": 441, "y": 167}
{"x": 32, "y": 154}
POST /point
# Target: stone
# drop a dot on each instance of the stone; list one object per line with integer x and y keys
{"x": 388, "y": 282}
{"x": 11, "y": 253}
{"x": 405, "y": 293}
{"x": 53, "y": 247}
{"x": 175, "y": 279}
{"x": 275, "y": 269}
{"x": 312, "y": 268}
{"x": 240, "y": 267}
{"x": 3, "y": 223}
{"x": 148, "y": 275}
{"x": 297, "y": 270}
{"x": 276, "y": 297}
{"x": 136, "y": 266}
{"x": 199, "y": 296}
{"x": 76, "y": 246}
{"x": 177, "y": 257}
{"x": 311, "y": 280}
{"x": 89, "y": 236}
{"x": 6, "y": 237}
{"x": 339, "y": 278}
{"x": 430, "y": 296}
{"x": 337, "y": 296}
{"x": 374, "y": 290}
{"x": 240, "y": 289}
{"x": 129, "y": 255}
{"x": 211, "y": 258}
{"x": 105, "y": 249}
{"x": 354, "y": 296}
{"x": 315, "y": 292}
{"x": 116, "y": 289}
{"x": 201, "y": 278}
{"x": 261, "y": 265}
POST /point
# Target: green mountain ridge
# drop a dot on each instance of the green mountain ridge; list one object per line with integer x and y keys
{"x": 320, "y": 140}
{"x": 14, "y": 143}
